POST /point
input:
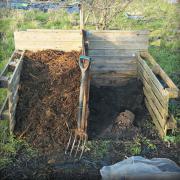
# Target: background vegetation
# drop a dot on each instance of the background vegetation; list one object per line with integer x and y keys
{"x": 159, "y": 17}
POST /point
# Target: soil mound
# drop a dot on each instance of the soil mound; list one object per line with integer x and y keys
{"x": 49, "y": 92}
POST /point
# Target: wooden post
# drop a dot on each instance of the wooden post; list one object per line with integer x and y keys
{"x": 81, "y": 16}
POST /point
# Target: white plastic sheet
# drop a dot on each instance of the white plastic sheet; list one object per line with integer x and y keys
{"x": 137, "y": 167}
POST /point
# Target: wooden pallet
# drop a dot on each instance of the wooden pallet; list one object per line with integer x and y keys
{"x": 156, "y": 96}
{"x": 9, "y": 79}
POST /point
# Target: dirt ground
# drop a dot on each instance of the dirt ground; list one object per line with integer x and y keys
{"x": 47, "y": 110}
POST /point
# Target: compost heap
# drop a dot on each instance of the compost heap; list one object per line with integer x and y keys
{"x": 48, "y": 102}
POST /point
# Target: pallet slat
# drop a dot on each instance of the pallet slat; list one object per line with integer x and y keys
{"x": 154, "y": 118}
{"x": 13, "y": 92}
{"x": 3, "y": 108}
{"x": 161, "y": 118}
{"x": 149, "y": 72}
{"x": 147, "y": 80}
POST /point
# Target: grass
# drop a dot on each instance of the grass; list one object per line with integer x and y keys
{"x": 159, "y": 17}
{"x": 11, "y": 147}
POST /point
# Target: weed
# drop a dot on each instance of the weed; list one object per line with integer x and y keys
{"x": 135, "y": 148}
{"x": 141, "y": 143}
{"x": 98, "y": 149}
{"x": 149, "y": 144}
{"x": 173, "y": 138}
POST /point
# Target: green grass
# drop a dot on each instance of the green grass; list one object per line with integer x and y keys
{"x": 11, "y": 147}
{"x": 169, "y": 61}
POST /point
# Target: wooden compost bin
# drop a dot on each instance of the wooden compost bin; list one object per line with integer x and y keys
{"x": 117, "y": 57}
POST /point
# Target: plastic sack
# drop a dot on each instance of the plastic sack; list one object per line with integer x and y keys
{"x": 137, "y": 167}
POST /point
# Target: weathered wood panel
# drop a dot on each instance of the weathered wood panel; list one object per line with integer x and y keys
{"x": 157, "y": 97}
{"x": 113, "y": 67}
{"x": 114, "y": 52}
{"x": 154, "y": 118}
{"x": 172, "y": 88}
{"x": 160, "y": 116}
{"x": 149, "y": 72}
{"x": 41, "y": 39}
{"x": 13, "y": 85}
{"x": 117, "y": 45}
{"x": 148, "y": 81}
{"x": 109, "y": 81}
{"x": 117, "y": 37}
{"x": 114, "y": 60}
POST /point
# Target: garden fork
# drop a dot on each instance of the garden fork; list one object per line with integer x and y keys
{"x": 80, "y": 134}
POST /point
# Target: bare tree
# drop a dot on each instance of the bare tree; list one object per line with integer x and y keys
{"x": 102, "y": 12}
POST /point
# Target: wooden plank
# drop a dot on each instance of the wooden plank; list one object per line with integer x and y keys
{"x": 114, "y": 68}
{"x": 112, "y": 52}
{"x": 53, "y": 31}
{"x": 149, "y": 72}
{"x": 12, "y": 111}
{"x": 43, "y": 45}
{"x": 115, "y": 60}
{"x": 154, "y": 118}
{"x": 15, "y": 77}
{"x": 149, "y": 94}
{"x": 15, "y": 83}
{"x": 163, "y": 98}
{"x": 3, "y": 107}
{"x": 13, "y": 104}
{"x": 48, "y": 40}
{"x": 117, "y": 45}
{"x": 162, "y": 104}
{"x": 160, "y": 119}
{"x": 13, "y": 94}
{"x": 50, "y": 36}
{"x": 123, "y": 74}
{"x": 142, "y": 32}
{"x": 12, "y": 122}
{"x": 117, "y": 37}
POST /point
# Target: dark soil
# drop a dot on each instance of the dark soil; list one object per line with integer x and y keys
{"x": 47, "y": 109}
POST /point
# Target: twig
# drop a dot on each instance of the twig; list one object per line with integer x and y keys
{"x": 25, "y": 131}
{"x": 33, "y": 76}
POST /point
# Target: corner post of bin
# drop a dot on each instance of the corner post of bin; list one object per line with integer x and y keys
{"x": 81, "y": 13}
